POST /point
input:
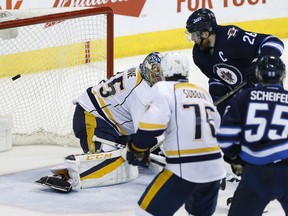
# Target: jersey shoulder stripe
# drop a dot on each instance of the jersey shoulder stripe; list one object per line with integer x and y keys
{"x": 150, "y": 126}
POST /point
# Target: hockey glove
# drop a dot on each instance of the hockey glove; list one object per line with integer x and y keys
{"x": 236, "y": 163}
{"x": 250, "y": 75}
{"x": 237, "y": 169}
{"x": 137, "y": 158}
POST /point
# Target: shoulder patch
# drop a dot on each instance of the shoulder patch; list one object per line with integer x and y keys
{"x": 231, "y": 32}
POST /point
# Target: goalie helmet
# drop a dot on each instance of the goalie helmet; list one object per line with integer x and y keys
{"x": 151, "y": 70}
{"x": 270, "y": 70}
{"x": 200, "y": 20}
{"x": 175, "y": 66}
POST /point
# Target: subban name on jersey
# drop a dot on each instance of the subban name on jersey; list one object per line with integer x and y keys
{"x": 194, "y": 94}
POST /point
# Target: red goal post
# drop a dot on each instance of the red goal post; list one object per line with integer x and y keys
{"x": 48, "y": 58}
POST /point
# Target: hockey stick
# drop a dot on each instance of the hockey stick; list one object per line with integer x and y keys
{"x": 156, "y": 146}
{"x": 157, "y": 159}
{"x": 118, "y": 145}
{"x": 233, "y": 91}
{"x": 107, "y": 142}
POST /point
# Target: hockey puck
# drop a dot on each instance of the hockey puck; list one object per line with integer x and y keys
{"x": 16, "y": 77}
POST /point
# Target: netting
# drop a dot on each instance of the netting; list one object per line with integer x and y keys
{"x": 45, "y": 64}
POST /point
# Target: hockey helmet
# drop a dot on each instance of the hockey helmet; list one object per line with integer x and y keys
{"x": 200, "y": 20}
{"x": 150, "y": 69}
{"x": 175, "y": 64}
{"x": 270, "y": 69}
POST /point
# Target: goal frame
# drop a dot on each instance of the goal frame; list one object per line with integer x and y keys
{"x": 72, "y": 15}
{"x": 47, "y": 134}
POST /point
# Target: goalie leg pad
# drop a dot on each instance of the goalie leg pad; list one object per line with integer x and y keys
{"x": 56, "y": 183}
{"x": 100, "y": 169}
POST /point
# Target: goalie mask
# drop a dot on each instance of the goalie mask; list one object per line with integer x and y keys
{"x": 270, "y": 70}
{"x": 151, "y": 70}
{"x": 201, "y": 20}
{"x": 175, "y": 66}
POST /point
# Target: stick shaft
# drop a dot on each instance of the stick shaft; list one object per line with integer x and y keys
{"x": 107, "y": 142}
{"x": 233, "y": 91}
{"x": 154, "y": 158}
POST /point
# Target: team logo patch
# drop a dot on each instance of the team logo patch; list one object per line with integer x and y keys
{"x": 228, "y": 73}
{"x": 232, "y": 32}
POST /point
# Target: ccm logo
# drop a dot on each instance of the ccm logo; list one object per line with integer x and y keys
{"x": 99, "y": 156}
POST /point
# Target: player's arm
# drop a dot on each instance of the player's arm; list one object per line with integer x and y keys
{"x": 271, "y": 45}
{"x": 230, "y": 131}
{"x": 152, "y": 124}
{"x": 254, "y": 45}
{"x": 145, "y": 137}
{"x": 138, "y": 149}
{"x": 268, "y": 45}
{"x": 200, "y": 62}
{"x": 250, "y": 44}
{"x": 217, "y": 89}
{"x": 229, "y": 138}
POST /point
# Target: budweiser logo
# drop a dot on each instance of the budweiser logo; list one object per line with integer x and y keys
{"x": 9, "y": 5}
{"x": 122, "y": 7}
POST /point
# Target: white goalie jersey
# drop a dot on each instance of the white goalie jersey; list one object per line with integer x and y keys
{"x": 119, "y": 100}
{"x": 189, "y": 120}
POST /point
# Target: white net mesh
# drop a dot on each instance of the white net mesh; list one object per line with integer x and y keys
{"x": 44, "y": 67}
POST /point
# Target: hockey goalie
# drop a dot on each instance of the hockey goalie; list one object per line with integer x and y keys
{"x": 82, "y": 171}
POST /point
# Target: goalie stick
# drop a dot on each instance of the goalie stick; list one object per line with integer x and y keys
{"x": 233, "y": 91}
{"x": 157, "y": 159}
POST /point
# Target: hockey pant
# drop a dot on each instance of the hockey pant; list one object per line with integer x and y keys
{"x": 85, "y": 125}
{"x": 168, "y": 192}
{"x": 259, "y": 185}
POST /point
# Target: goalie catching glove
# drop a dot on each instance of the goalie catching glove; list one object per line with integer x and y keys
{"x": 137, "y": 157}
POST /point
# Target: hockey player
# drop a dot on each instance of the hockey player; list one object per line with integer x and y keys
{"x": 107, "y": 113}
{"x": 227, "y": 54}
{"x": 111, "y": 109}
{"x": 254, "y": 133}
{"x": 186, "y": 115}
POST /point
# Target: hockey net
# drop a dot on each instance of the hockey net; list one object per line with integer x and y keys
{"x": 48, "y": 58}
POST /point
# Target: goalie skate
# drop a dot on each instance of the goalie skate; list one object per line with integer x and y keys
{"x": 56, "y": 183}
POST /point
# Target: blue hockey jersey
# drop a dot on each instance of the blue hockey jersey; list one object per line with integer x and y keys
{"x": 229, "y": 62}
{"x": 255, "y": 125}
{"x": 233, "y": 53}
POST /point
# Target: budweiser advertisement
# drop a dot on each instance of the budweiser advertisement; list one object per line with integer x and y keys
{"x": 145, "y": 16}
{"x": 121, "y": 7}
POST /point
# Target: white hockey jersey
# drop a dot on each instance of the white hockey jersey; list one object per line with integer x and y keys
{"x": 189, "y": 120}
{"x": 119, "y": 100}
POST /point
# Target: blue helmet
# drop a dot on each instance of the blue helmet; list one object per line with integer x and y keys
{"x": 150, "y": 69}
{"x": 270, "y": 69}
{"x": 201, "y": 20}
